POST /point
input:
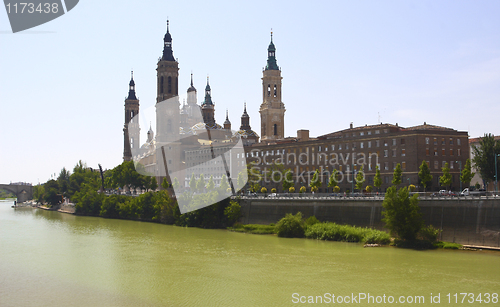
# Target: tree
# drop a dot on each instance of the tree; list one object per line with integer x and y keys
{"x": 154, "y": 184}
{"x": 302, "y": 189}
{"x": 333, "y": 180}
{"x": 291, "y": 189}
{"x": 242, "y": 179}
{"x": 165, "y": 185}
{"x": 175, "y": 183}
{"x": 211, "y": 184}
{"x": 288, "y": 181}
{"x": 377, "y": 180}
{"x": 200, "y": 185}
{"x": 254, "y": 177}
{"x": 192, "y": 183}
{"x": 51, "y": 197}
{"x": 402, "y": 213}
{"x": 224, "y": 184}
{"x": 467, "y": 174}
{"x": 445, "y": 179}
{"x": 315, "y": 182}
{"x": 263, "y": 190}
{"x": 360, "y": 178}
{"x": 369, "y": 189}
{"x": 38, "y": 193}
{"x": 424, "y": 174}
{"x": 484, "y": 157}
{"x": 396, "y": 177}
{"x": 63, "y": 181}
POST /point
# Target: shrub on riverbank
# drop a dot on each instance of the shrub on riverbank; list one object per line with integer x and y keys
{"x": 447, "y": 245}
{"x": 291, "y": 226}
{"x": 336, "y": 232}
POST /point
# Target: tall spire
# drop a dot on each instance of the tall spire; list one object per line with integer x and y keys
{"x": 191, "y": 88}
{"x": 168, "y": 54}
{"x": 208, "y": 94}
{"x": 271, "y": 56}
{"x": 131, "y": 90}
{"x": 227, "y": 122}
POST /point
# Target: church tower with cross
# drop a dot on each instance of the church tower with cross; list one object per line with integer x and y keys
{"x": 131, "y": 128}
{"x": 272, "y": 110}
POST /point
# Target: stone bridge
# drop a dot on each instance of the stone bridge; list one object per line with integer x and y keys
{"x": 23, "y": 192}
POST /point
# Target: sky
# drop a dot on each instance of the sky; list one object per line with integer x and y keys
{"x": 63, "y": 83}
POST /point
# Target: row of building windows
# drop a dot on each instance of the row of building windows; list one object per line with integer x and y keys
{"x": 443, "y": 141}
{"x": 362, "y": 133}
{"x": 443, "y": 152}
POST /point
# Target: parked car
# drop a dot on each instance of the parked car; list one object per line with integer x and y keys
{"x": 470, "y": 192}
{"x": 272, "y": 195}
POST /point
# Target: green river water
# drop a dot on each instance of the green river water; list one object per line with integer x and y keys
{"x": 56, "y": 259}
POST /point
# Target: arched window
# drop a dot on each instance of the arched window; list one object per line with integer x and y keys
{"x": 169, "y": 85}
{"x": 161, "y": 85}
{"x": 269, "y": 90}
{"x": 275, "y": 90}
{"x": 275, "y": 129}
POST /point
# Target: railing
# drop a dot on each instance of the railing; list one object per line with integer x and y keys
{"x": 369, "y": 196}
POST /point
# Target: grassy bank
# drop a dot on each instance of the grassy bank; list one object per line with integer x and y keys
{"x": 346, "y": 233}
{"x": 254, "y": 228}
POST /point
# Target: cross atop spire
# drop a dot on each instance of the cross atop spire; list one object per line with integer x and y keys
{"x": 168, "y": 54}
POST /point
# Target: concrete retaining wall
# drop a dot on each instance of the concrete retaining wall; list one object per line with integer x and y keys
{"x": 471, "y": 221}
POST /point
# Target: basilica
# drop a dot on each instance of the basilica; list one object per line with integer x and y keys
{"x": 188, "y": 142}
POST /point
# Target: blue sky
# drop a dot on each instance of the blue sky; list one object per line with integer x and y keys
{"x": 63, "y": 83}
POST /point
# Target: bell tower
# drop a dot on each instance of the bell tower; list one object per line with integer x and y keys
{"x": 167, "y": 99}
{"x": 167, "y": 112}
{"x": 272, "y": 110}
{"x": 131, "y": 128}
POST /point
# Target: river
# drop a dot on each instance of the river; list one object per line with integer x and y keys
{"x": 55, "y": 259}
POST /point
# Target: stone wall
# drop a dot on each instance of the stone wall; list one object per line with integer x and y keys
{"x": 465, "y": 221}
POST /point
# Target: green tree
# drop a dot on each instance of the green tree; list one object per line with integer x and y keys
{"x": 484, "y": 157}
{"x": 263, "y": 190}
{"x": 424, "y": 174}
{"x": 154, "y": 184}
{"x": 254, "y": 177}
{"x": 63, "y": 181}
{"x": 164, "y": 184}
{"x": 224, "y": 184}
{"x": 398, "y": 173}
{"x": 467, "y": 174}
{"x": 291, "y": 189}
{"x": 210, "y": 184}
{"x": 315, "y": 182}
{"x": 38, "y": 193}
{"x": 233, "y": 212}
{"x": 333, "y": 180}
{"x": 175, "y": 183}
{"x": 401, "y": 213}
{"x": 377, "y": 180}
{"x": 360, "y": 178}
{"x": 242, "y": 177}
{"x": 302, "y": 189}
{"x": 288, "y": 181}
{"x": 192, "y": 183}
{"x": 369, "y": 188}
{"x": 200, "y": 185}
{"x": 51, "y": 190}
{"x": 445, "y": 179}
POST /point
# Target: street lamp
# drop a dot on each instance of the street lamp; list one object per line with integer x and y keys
{"x": 496, "y": 172}
{"x": 460, "y": 175}
{"x": 352, "y": 179}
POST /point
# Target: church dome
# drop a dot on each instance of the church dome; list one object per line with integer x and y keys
{"x": 202, "y": 126}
